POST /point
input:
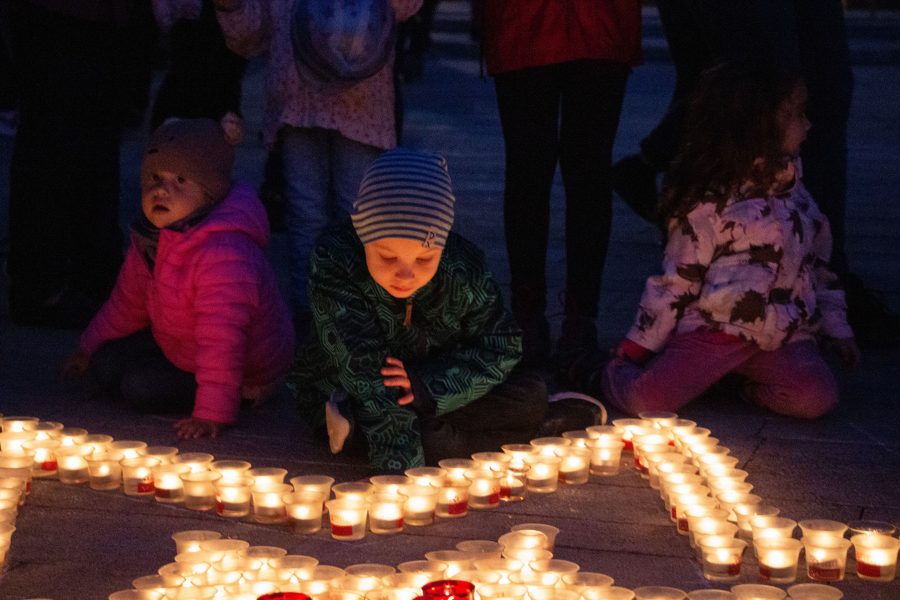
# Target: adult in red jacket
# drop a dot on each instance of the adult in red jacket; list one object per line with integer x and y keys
{"x": 560, "y": 68}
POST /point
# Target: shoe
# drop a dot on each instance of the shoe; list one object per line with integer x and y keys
{"x": 635, "y": 182}
{"x": 584, "y": 374}
{"x": 570, "y": 411}
{"x": 873, "y": 324}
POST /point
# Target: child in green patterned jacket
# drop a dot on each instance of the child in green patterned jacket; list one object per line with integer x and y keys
{"x": 413, "y": 345}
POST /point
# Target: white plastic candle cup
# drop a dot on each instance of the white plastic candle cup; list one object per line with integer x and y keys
{"x": 542, "y": 582}
{"x": 728, "y": 500}
{"x": 578, "y": 438}
{"x": 756, "y": 591}
{"x": 656, "y": 460}
{"x": 44, "y": 461}
{"x": 815, "y": 529}
{"x": 169, "y": 488}
{"x": 189, "y": 540}
{"x": 456, "y": 561}
{"x": 294, "y": 568}
{"x": 502, "y": 591}
{"x": 314, "y": 483}
{"x": 512, "y": 485}
{"x": 550, "y": 532}
{"x": 456, "y": 467}
{"x": 104, "y": 470}
{"x": 136, "y": 595}
{"x": 99, "y": 442}
{"x": 484, "y": 488}
{"x": 655, "y": 442}
{"x": 718, "y": 485}
{"x": 164, "y": 454}
{"x": 814, "y": 591}
{"x": 673, "y": 490}
{"x": 744, "y": 512}
{"x": 453, "y": 499}
{"x": 504, "y": 566}
{"x": 369, "y": 575}
{"x": 550, "y": 446}
{"x": 352, "y": 490}
{"x": 304, "y": 511}
{"x": 574, "y": 469}
{"x": 184, "y": 574}
{"x": 197, "y": 461}
{"x": 658, "y": 592}
{"x": 199, "y": 489}
{"x": 710, "y": 595}
{"x": 855, "y": 526}
{"x": 518, "y": 453}
{"x": 704, "y": 520}
{"x": 706, "y": 526}
{"x": 722, "y": 562}
{"x": 233, "y": 496}
{"x": 772, "y": 527}
{"x": 629, "y": 428}
{"x": 399, "y": 593}
{"x": 682, "y": 502}
{"x": 72, "y": 466}
{"x": 876, "y": 556}
{"x": 224, "y": 550}
{"x": 12, "y": 442}
{"x": 585, "y": 579}
{"x": 230, "y": 470}
{"x": 152, "y": 583}
{"x": 426, "y": 476}
{"x": 348, "y": 518}
{"x": 137, "y": 476}
{"x": 826, "y": 558}
{"x": 543, "y": 473}
{"x": 555, "y": 566}
{"x": 264, "y": 477}
{"x": 671, "y": 475}
{"x": 72, "y": 436}
{"x": 423, "y": 570}
{"x": 541, "y": 592}
{"x": 606, "y": 433}
{"x": 18, "y": 423}
{"x": 478, "y": 578}
{"x": 386, "y": 513}
{"x": 493, "y": 461}
{"x": 421, "y": 502}
{"x": 127, "y": 448}
{"x": 268, "y": 503}
{"x": 480, "y": 549}
{"x": 13, "y": 486}
{"x": 778, "y": 559}
{"x": 388, "y": 484}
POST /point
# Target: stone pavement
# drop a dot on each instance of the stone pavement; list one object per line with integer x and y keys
{"x": 73, "y": 543}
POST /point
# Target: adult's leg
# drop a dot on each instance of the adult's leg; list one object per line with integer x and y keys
{"x": 793, "y": 380}
{"x": 509, "y": 413}
{"x": 687, "y": 367}
{"x": 349, "y": 160}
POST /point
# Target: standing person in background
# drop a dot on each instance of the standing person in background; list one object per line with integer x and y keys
{"x": 807, "y": 36}
{"x": 65, "y": 246}
{"x": 560, "y": 71}
{"x": 328, "y": 133}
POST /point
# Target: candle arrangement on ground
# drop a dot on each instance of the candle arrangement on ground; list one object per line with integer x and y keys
{"x": 706, "y": 496}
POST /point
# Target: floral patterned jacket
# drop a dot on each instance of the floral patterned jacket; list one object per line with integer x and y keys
{"x": 754, "y": 267}
{"x": 458, "y": 344}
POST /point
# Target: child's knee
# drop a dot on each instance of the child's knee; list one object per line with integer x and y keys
{"x": 816, "y": 401}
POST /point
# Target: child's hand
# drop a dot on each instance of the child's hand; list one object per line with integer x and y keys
{"x": 76, "y": 365}
{"x": 395, "y": 375}
{"x": 191, "y": 428}
{"x": 847, "y": 350}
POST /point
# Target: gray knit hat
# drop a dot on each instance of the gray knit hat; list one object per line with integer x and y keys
{"x": 193, "y": 148}
{"x": 405, "y": 194}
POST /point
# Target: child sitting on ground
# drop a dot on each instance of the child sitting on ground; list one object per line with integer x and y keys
{"x": 746, "y": 286}
{"x": 196, "y": 318}
{"x": 414, "y": 348}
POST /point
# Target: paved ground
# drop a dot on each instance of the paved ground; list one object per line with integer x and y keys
{"x": 73, "y": 543}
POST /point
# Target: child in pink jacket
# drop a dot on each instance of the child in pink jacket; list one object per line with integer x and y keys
{"x": 196, "y": 318}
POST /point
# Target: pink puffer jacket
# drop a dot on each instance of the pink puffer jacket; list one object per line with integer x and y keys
{"x": 212, "y": 303}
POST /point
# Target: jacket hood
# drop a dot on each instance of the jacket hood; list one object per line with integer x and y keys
{"x": 240, "y": 211}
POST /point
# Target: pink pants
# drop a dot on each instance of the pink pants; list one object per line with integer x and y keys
{"x": 793, "y": 380}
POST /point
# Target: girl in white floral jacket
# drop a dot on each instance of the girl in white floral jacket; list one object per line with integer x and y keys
{"x": 746, "y": 287}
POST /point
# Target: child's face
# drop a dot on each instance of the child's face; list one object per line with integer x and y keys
{"x": 401, "y": 266}
{"x": 167, "y": 197}
{"x": 792, "y": 116}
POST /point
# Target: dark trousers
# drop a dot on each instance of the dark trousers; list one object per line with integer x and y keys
{"x": 64, "y": 173}
{"x": 808, "y": 36}
{"x": 509, "y": 413}
{"x": 133, "y": 370}
{"x": 566, "y": 113}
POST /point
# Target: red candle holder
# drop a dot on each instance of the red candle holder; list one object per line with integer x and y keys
{"x": 449, "y": 588}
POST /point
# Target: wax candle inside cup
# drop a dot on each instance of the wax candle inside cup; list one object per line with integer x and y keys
{"x": 18, "y": 423}
{"x": 648, "y": 443}
{"x": 578, "y": 438}
{"x": 304, "y": 511}
{"x": 72, "y": 436}
{"x": 707, "y": 526}
{"x": 164, "y": 454}
{"x": 728, "y": 500}
{"x": 721, "y": 561}
{"x": 12, "y": 443}
{"x": 453, "y": 499}
{"x": 314, "y": 483}
{"x": 44, "y": 457}
{"x": 456, "y": 560}
{"x": 876, "y": 556}
{"x": 268, "y": 503}
{"x": 605, "y": 433}
{"x": 755, "y": 591}
{"x": 502, "y": 592}
{"x": 698, "y": 444}
{"x": 574, "y": 469}
{"x": 815, "y": 529}
{"x": 388, "y": 484}
{"x": 778, "y": 559}
{"x": 352, "y": 490}
{"x": 197, "y": 461}
{"x": 230, "y": 470}
{"x": 189, "y": 540}
{"x": 484, "y": 488}
{"x": 152, "y": 583}
{"x": 365, "y": 577}
{"x": 456, "y": 468}
{"x": 492, "y": 461}
{"x": 104, "y": 470}
{"x": 294, "y": 568}
{"x": 348, "y": 518}
{"x": 554, "y": 566}
{"x": 420, "y": 504}
{"x": 479, "y": 578}
{"x": 681, "y": 502}
{"x": 14, "y": 486}
{"x": 127, "y": 448}
{"x": 199, "y": 489}
{"x": 629, "y": 427}
{"x": 585, "y": 579}
{"x": 865, "y": 527}
{"x": 772, "y": 527}
{"x": 426, "y": 476}
{"x": 814, "y": 591}
{"x": 826, "y": 558}
{"x": 223, "y": 550}
{"x": 513, "y": 485}
{"x": 449, "y": 588}
{"x": 167, "y": 483}
{"x": 720, "y": 486}
{"x": 188, "y": 575}
{"x": 386, "y": 512}
{"x": 421, "y": 571}
{"x": 72, "y": 466}
{"x": 137, "y": 475}
{"x": 550, "y": 532}
{"x": 671, "y": 475}
{"x": 543, "y": 473}
{"x": 550, "y": 446}
{"x": 744, "y": 512}
{"x": 518, "y": 453}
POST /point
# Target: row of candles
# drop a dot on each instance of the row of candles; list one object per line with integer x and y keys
{"x": 674, "y": 454}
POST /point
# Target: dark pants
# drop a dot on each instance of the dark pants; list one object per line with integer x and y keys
{"x": 509, "y": 413}
{"x": 64, "y": 173}
{"x": 134, "y": 370}
{"x": 566, "y": 113}
{"x": 806, "y": 35}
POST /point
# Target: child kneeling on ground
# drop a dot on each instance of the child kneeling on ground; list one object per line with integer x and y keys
{"x": 413, "y": 349}
{"x": 196, "y": 321}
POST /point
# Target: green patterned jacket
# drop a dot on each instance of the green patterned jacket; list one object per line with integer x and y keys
{"x": 461, "y": 342}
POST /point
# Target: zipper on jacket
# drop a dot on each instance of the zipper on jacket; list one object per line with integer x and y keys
{"x": 407, "y": 316}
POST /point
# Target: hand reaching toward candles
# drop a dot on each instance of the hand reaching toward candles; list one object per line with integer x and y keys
{"x": 192, "y": 428}
{"x": 395, "y": 375}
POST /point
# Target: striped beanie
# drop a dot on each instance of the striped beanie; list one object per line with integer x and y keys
{"x": 405, "y": 194}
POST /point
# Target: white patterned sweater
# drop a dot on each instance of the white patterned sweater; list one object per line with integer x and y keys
{"x": 752, "y": 267}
